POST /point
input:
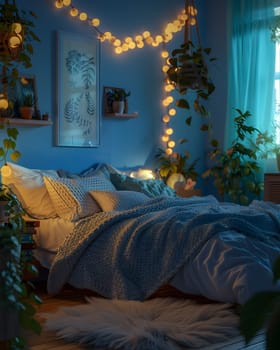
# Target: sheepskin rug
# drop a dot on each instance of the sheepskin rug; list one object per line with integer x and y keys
{"x": 156, "y": 324}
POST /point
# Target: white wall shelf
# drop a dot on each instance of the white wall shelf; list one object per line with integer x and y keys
{"x": 26, "y": 122}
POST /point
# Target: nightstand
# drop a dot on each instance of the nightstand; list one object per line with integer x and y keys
{"x": 272, "y": 187}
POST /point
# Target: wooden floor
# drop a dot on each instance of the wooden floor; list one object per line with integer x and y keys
{"x": 70, "y": 297}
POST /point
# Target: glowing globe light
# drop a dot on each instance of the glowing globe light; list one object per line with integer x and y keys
{"x": 118, "y": 50}
{"x": 83, "y": 16}
{"x": 95, "y": 22}
{"x": 4, "y": 104}
{"x": 172, "y": 112}
{"x": 16, "y": 27}
{"x": 164, "y": 54}
{"x": 128, "y": 39}
{"x": 146, "y": 34}
{"x": 117, "y": 42}
{"x": 138, "y": 38}
{"x": 140, "y": 44}
{"x": 14, "y": 41}
{"x": 171, "y": 144}
{"x": 169, "y": 151}
{"x": 149, "y": 40}
{"x": 132, "y": 45}
{"x": 166, "y": 118}
{"x": 74, "y": 12}
{"x": 58, "y": 4}
{"x": 66, "y": 2}
{"x": 165, "y": 138}
{"x": 169, "y": 131}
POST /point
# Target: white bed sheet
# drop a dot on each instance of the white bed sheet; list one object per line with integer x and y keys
{"x": 240, "y": 266}
{"x": 50, "y": 236}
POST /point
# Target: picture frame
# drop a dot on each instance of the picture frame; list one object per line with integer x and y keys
{"x": 78, "y": 119}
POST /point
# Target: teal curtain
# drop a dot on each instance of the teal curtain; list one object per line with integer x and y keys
{"x": 251, "y": 63}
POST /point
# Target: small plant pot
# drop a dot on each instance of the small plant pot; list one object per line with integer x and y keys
{"x": 118, "y": 107}
{"x": 26, "y": 112}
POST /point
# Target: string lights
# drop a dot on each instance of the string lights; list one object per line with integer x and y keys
{"x": 186, "y": 17}
{"x": 130, "y": 42}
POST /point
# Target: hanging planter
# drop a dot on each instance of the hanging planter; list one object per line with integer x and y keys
{"x": 188, "y": 67}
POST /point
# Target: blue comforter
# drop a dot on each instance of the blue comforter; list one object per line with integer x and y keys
{"x": 130, "y": 254}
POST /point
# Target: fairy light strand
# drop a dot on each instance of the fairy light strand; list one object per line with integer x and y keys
{"x": 130, "y": 42}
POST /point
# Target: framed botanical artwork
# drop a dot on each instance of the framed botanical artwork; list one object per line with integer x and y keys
{"x": 78, "y": 119}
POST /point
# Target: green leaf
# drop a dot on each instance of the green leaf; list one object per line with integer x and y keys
{"x": 182, "y": 103}
{"x": 255, "y": 312}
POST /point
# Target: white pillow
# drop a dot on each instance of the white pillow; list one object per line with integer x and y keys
{"x": 118, "y": 200}
{"x": 29, "y": 187}
{"x": 70, "y": 197}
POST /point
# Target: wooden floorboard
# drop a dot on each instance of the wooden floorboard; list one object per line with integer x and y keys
{"x": 47, "y": 340}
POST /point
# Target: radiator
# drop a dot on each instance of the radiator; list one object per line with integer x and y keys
{"x": 272, "y": 187}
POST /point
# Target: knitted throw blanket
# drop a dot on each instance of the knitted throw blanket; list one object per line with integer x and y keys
{"x": 130, "y": 254}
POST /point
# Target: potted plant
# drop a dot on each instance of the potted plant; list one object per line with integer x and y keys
{"x": 235, "y": 170}
{"x": 27, "y": 108}
{"x": 175, "y": 168}
{"x": 16, "y": 296}
{"x": 119, "y": 100}
{"x": 188, "y": 73}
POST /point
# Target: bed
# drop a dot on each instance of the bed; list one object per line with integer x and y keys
{"x": 125, "y": 238}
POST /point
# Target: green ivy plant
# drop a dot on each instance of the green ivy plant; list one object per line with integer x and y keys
{"x": 262, "y": 311}
{"x": 235, "y": 170}
{"x": 188, "y": 73}
{"x": 17, "y": 296}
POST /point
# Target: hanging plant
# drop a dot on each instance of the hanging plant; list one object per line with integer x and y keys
{"x": 188, "y": 69}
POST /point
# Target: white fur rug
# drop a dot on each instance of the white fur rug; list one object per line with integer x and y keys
{"x": 156, "y": 324}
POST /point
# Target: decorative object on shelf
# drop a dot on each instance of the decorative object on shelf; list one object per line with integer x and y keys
{"x": 26, "y": 96}
{"x": 16, "y": 36}
{"x": 115, "y": 100}
{"x": 78, "y": 121}
{"x": 27, "y": 108}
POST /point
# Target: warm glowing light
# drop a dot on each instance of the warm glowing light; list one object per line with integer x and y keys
{"x": 132, "y": 45}
{"x": 117, "y": 42}
{"x": 146, "y": 34}
{"x": 170, "y": 99}
{"x": 16, "y": 27}
{"x": 14, "y": 41}
{"x": 4, "y": 104}
{"x": 74, "y": 12}
{"x": 66, "y": 2}
{"x": 108, "y": 35}
{"x": 165, "y": 138}
{"x": 95, "y": 22}
{"x": 166, "y": 118}
{"x": 168, "y": 151}
{"x": 128, "y": 39}
{"x": 6, "y": 170}
{"x": 172, "y": 112}
{"x": 171, "y": 144}
{"x": 83, "y": 16}
{"x": 169, "y": 131}
{"x": 164, "y": 54}
{"x": 58, "y": 4}
{"x": 118, "y": 50}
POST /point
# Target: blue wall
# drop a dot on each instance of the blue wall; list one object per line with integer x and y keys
{"x": 124, "y": 143}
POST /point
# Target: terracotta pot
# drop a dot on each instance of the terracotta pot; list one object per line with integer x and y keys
{"x": 26, "y": 112}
